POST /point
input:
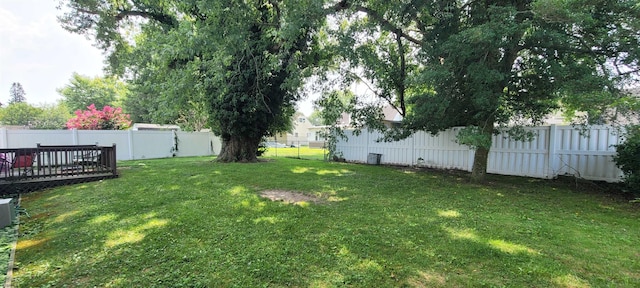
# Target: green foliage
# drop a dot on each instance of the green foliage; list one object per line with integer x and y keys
{"x": 332, "y": 106}
{"x": 365, "y": 115}
{"x": 381, "y": 58}
{"x": 168, "y": 86}
{"x": 315, "y": 118}
{"x": 262, "y": 149}
{"x": 472, "y": 137}
{"x": 53, "y": 116}
{"x": 83, "y": 91}
{"x": 141, "y": 107}
{"x": 481, "y": 68}
{"x": 195, "y": 117}
{"x": 627, "y": 158}
{"x": 19, "y": 113}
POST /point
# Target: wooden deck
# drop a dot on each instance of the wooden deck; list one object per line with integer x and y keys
{"x": 29, "y": 169}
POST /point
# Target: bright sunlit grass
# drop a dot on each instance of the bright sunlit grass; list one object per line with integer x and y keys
{"x": 302, "y": 152}
{"x": 191, "y": 222}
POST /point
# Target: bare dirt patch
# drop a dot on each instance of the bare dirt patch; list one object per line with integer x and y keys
{"x": 290, "y": 197}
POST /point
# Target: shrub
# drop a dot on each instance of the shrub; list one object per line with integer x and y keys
{"x": 93, "y": 119}
{"x": 628, "y": 158}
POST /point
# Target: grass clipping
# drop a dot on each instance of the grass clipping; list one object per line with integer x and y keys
{"x": 292, "y": 197}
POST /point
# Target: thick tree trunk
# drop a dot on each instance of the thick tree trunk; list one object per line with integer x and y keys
{"x": 480, "y": 161}
{"x": 239, "y": 149}
{"x": 481, "y": 158}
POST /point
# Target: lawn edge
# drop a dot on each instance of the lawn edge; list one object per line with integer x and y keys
{"x": 12, "y": 255}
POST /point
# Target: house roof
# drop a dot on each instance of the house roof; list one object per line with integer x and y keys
{"x": 149, "y": 126}
{"x": 345, "y": 119}
{"x": 391, "y": 114}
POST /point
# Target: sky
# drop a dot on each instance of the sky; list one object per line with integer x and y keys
{"x": 37, "y": 53}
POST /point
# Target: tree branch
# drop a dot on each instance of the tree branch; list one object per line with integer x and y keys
{"x": 403, "y": 73}
{"x": 160, "y": 17}
{"x": 386, "y": 24}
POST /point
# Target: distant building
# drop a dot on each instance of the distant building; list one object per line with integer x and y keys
{"x": 635, "y": 117}
{"x": 611, "y": 114}
{"x": 154, "y": 127}
{"x": 316, "y": 140}
{"x": 392, "y": 116}
{"x": 298, "y": 136}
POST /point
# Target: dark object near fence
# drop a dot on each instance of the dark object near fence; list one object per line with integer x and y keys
{"x": 29, "y": 169}
{"x": 374, "y": 158}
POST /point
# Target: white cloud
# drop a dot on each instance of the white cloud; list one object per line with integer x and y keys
{"x": 37, "y": 52}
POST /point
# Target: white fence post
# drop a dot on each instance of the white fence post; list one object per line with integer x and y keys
{"x": 130, "y": 140}
{"x": 413, "y": 149}
{"x": 74, "y": 136}
{"x": 366, "y": 155}
{"x": 4, "y": 139}
{"x": 174, "y": 142}
{"x": 552, "y": 158}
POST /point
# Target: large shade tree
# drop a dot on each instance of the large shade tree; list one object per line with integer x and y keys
{"x": 244, "y": 59}
{"x": 489, "y": 64}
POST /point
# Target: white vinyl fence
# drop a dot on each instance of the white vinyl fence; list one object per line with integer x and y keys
{"x": 130, "y": 144}
{"x": 556, "y": 150}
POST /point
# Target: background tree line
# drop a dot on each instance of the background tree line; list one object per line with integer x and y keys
{"x": 81, "y": 93}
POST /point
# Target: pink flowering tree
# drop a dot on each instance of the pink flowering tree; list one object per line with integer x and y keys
{"x": 93, "y": 119}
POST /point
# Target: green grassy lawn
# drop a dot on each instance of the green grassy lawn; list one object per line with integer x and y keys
{"x": 190, "y": 222}
{"x": 302, "y": 152}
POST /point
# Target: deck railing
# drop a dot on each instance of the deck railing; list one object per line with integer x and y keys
{"x": 56, "y": 163}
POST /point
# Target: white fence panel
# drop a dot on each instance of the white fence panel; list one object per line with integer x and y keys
{"x": 195, "y": 144}
{"x": 440, "y": 151}
{"x": 554, "y": 151}
{"x": 106, "y": 138}
{"x": 216, "y": 143}
{"x": 397, "y": 153}
{"x": 152, "y": 144}
{"x": 508, "y": 156}
{"x": 30, "y": 138}
{"x": 130, "y": 144}
{"x": 587, "y": 154}
{"x": 102, "y": 137}
{"x": 356, "y": 147}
